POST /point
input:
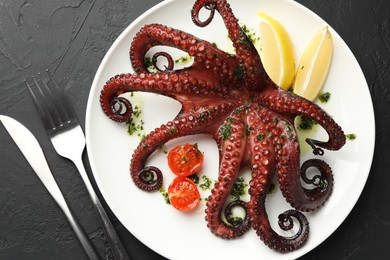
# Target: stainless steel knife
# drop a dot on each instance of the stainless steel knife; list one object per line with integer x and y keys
{"x": 32, "y": 151}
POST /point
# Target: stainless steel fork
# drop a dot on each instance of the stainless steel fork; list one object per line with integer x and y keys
{"x": 68, "y": 140}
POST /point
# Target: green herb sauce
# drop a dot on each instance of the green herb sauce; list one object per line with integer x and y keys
{"x": 183, "y": 60}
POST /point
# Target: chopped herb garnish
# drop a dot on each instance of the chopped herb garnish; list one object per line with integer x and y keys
{"x": 172, "y": 129}
{"x": 238, "y": 189}
{"x": 239, "y": 72}
{"x": 225, "y": 131}
{"x": 248, "y": 130}
{"x": 260, "y": 137}
{"x": 350, "y": 136}
{"x": 165, "y": 195}
{"x": 136, "y": 112}
{"x": 141, "y": 136}
{"x": 134, "y": 125}
{"x": 235, "y": 220}
{"x": 183, "y": 59}
{"x": 250, "y": 33}
{"x": 148, "y": 62}
{"x": 272, "y": 188}
{"x": 306, "y": 123}
{"x": 195, "y": 178}
{"x": 324, "y": 97}
{"x": 206, "y": 183}
{"x": 230, "y": 120}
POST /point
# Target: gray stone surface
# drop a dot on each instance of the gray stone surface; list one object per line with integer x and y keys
{"x": 70, "y": 37}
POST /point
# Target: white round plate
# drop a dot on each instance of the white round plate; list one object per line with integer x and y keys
{"x": 178, "y": 235}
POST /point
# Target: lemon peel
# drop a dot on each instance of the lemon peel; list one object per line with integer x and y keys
{"x": 314, "y": 65}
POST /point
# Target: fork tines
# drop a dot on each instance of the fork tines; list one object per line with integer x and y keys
{"x": 51, "y": 103}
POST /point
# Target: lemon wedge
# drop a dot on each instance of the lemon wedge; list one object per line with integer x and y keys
{"x": 276, "y": 51}
{"x": 314, "y": 65}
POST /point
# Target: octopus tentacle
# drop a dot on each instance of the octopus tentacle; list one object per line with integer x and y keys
{"x": 250, "y": 69}
{"x": 260, "y": 222}
{"x": 287, "y": 167}
{"x": 210, "y": 63}
{"x": 232, "y": 148}
{"x": 168, "y": 84}
{"x": 287, "y": 103}
{"x": 198, "y": 120}
{"x": 262, "y": 164}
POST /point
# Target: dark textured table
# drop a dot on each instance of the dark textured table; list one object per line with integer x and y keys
{"x": 70, "y": 37}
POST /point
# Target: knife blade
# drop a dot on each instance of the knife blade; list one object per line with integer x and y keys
{"x": 33, "y": 152}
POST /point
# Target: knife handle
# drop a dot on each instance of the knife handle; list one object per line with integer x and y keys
{"x": 32, "y": 151}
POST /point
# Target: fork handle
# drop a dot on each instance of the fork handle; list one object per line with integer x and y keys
{"x": 89, "y": 249}
{"x": 116, "y": 244}
{"x": 111, "y": 235}
{"x": 51, "y": 185}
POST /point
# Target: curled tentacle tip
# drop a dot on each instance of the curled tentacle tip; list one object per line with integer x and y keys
{"x": 121, "y": 109}
{"x": 234, "y": 221}
{"x": 320, "y": 182}
{"x": 210, "y": 6}
{"x": 316, "y": 150}
{"x": 286, "y": 223}
{"x": 169, "y": 58}
{"x": 150, "y": 178}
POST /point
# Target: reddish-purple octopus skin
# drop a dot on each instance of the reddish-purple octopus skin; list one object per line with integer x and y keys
{"x": 231, "y": 98}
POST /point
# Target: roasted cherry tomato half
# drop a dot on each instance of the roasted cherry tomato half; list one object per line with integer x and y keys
{"x": 183, "y": 194}
{"x": 185, "y": 159}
